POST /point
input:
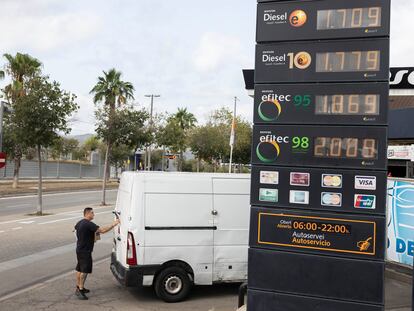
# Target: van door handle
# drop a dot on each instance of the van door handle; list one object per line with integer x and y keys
{"x": 214, "y": 213}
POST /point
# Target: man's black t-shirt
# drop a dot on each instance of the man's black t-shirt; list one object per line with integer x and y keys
{"x": 85, "y": 232}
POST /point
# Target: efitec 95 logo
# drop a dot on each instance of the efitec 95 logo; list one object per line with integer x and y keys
{"x": 297, "y": 18}
{"x": 268, "y": 149}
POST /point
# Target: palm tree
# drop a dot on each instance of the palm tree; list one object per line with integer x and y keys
{"x": 186, "y": 121}
{"x": 113, "y": 92}
{"x": 21, "y": 68}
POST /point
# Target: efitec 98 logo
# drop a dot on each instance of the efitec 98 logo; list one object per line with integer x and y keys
{"x": 297, "y": 18}
{"x": 270, "y": 146}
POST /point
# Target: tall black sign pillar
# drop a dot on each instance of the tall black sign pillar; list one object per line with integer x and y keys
{"x": 319, "y": 163}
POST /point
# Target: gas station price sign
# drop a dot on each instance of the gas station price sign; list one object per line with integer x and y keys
{"x": 326, "y": 19}
{"x": 348, "y": 104}
{"x": 314, "y": 146}
{"x": 319, "y": 61}
{"x": 318, "y": 233}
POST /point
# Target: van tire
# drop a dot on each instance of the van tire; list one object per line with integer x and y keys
{"x": 173, "y": 284}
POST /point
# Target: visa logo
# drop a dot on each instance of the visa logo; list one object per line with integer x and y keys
{"x": 366, "y": 182}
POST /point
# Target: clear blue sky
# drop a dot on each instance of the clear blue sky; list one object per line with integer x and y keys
{"x": 190, "y": 52}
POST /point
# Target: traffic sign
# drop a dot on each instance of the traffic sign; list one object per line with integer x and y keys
{"x": 2, "y": 159}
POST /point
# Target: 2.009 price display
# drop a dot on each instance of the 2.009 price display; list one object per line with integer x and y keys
{"x": 337, "y": 147}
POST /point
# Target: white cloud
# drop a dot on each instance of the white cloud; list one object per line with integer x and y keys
{"x": 214, "y": 50}
{"x": 40, "y": 26}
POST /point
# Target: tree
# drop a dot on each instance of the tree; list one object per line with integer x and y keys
{"x": 210, "y": 142}
{"x": 63, "y": 146}
{"x": 41, "y": 114}
{"x": 123, "y": 126}
{"x": 21, "y": 68}
{"x": 176, "y": 132}
{"x": 120, "y": 154}
{"x": 112, "y": 92}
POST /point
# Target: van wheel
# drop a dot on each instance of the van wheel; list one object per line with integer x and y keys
{"x": 172, "y": 284}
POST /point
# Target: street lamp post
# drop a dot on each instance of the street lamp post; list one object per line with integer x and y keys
{"x": 233, "y": 133}
{"x": 152, "y": 96}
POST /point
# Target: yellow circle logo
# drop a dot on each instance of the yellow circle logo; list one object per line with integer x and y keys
{"x": 298, "y": 18}
{"x": 303, "y": 60}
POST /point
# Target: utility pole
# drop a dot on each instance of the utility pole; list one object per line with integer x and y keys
{"x": 1, "y": 125}
{"x": 152, "y": 96}
{"x": 233, "y": 133}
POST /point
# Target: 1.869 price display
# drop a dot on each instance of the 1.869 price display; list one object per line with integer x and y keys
{"x": 329, "y": 146}
{"x": 321, "y": 104}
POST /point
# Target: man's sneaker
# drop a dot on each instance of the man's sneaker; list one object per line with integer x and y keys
{"x": 81, "y": 294}
{"x": 85, "y": 290}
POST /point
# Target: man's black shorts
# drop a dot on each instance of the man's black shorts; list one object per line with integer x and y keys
{"x": 84, "y": 262}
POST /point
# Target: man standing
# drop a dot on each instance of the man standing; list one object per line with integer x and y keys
{"x": 86, "y": 231}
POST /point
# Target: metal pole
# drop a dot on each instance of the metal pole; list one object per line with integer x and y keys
{"x": 1, "y": 125}
{"x": 151, "y": 120}
{"x": 233, "y": 133}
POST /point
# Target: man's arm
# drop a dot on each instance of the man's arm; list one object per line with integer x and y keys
{"x": 106, "y": 229}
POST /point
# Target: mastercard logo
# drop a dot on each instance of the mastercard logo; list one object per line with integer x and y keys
{"x": 269, "y": 110}
{"x": 268, "y": 151}
{"x": 298, "y": 18}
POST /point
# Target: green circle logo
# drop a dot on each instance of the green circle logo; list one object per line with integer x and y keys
{"x": 265, "y": 116}
{"x": 268, "y": 151}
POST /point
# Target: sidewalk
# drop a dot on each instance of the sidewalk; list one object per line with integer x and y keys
{"x": 107, "y": 294}
{"x": 53, "y": 185}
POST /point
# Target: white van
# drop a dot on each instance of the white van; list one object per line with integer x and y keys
{"x": 180, "y": 229}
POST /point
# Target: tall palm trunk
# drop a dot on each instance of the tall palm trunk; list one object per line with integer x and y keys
{"x": 40, "y": 183}
{"x": 105, "y": 174}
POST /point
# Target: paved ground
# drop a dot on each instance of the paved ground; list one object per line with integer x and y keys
{"x": 27, "y": 204}
{"x": 37, "y": 260}
{"x": 107, "y": 294}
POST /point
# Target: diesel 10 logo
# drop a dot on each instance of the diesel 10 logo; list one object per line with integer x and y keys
{"x": 297, "y": 18}
{"x": 300, "y": 60}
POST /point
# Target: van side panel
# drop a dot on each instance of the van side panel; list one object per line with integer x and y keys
{"x": 180, "y": 227}
{"x": 231, "y": 200}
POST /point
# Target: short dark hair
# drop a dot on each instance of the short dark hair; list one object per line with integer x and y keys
{"x": 87, "y": 210}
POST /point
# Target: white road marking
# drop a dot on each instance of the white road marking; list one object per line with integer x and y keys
{"x": 44, "y": 283}
{"x": 17, "y": 228}
{"x": 27, "y": 222}
{"x": 63, "y": 219}
{"x": 2, "y": 231}
{"x": 65, "y": 213}
{"x": 14, "y": 206}
{"x": 25, "y": 260}
{"x": 56, "y": 194}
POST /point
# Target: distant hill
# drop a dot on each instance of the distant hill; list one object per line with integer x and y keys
{"x": 82, "y": 138}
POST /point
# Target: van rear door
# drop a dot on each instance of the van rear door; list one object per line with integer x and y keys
{"x": 123, "y": 208}
{"x": 231, "y": 202}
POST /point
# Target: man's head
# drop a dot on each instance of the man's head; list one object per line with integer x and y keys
{"x": 88, "y": 213}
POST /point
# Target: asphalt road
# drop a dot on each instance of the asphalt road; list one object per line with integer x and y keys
{"x": 55, "y": 201}
{"x": 34, "y": 249}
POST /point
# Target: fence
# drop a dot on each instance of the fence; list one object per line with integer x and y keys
{"x": 30, "y": 169}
